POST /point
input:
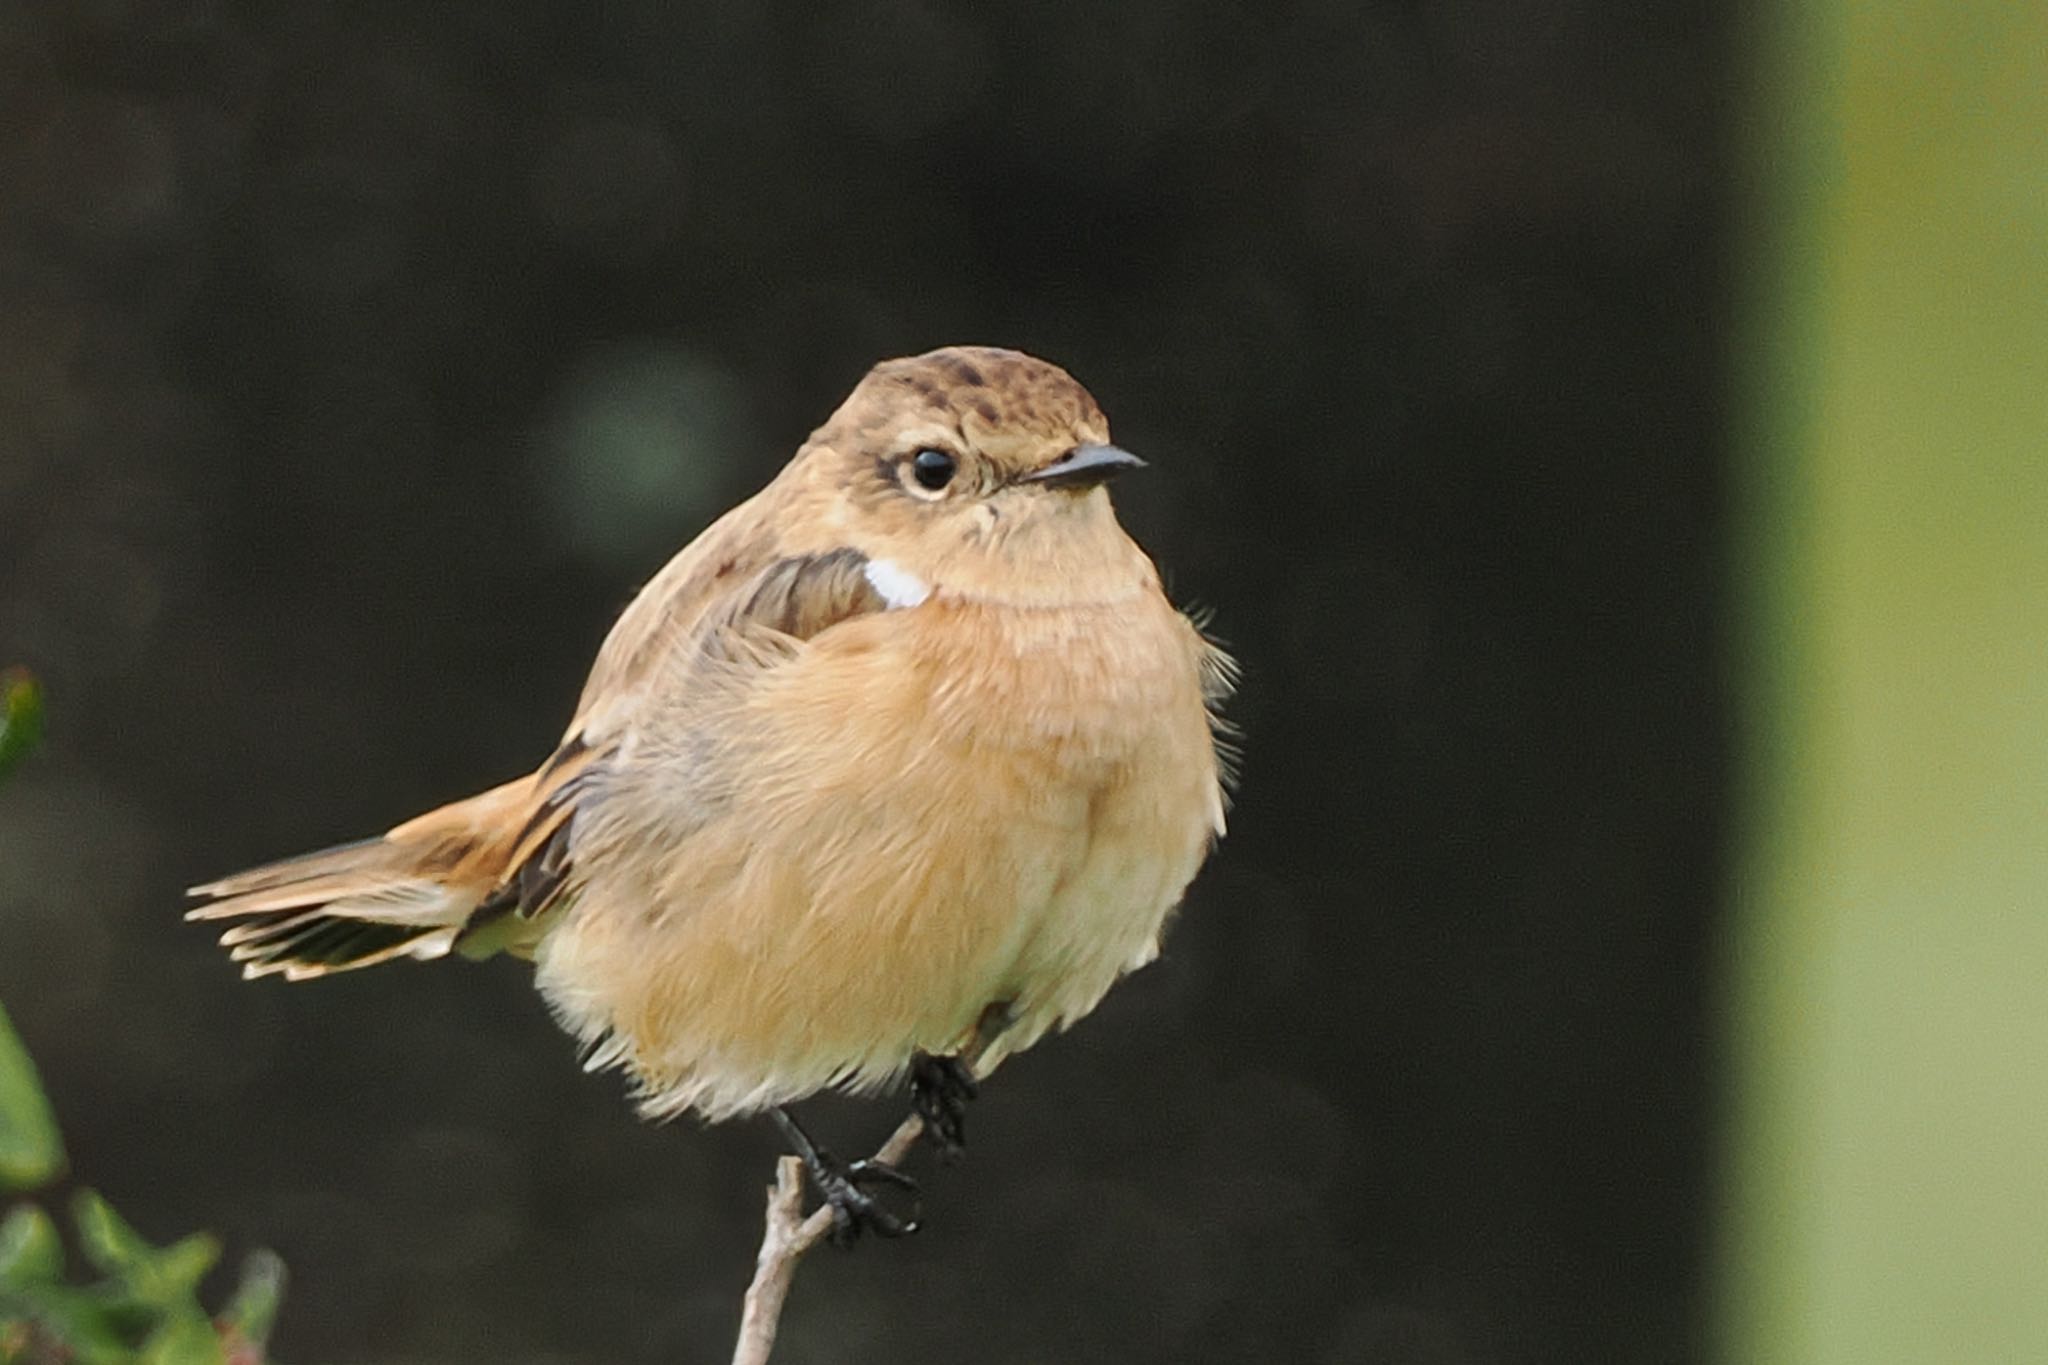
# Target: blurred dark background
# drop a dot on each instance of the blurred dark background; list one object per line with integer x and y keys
{"x": 358, "y": 361}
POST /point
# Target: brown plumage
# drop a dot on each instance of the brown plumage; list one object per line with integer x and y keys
{"x": 910, "y": 733}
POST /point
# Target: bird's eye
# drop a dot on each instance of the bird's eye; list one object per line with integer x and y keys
{"x": 933, "y": 469}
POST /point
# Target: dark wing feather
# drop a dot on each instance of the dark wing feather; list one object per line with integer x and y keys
{"x": 800, "y": 597}
{"x": 792, "y": 598}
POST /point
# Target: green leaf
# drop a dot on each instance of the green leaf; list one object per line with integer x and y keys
{"x": 80, "y": 1320}
{"x": 253, "y": 1309}
{"x": 183, "y": 1339}
{"x": 21, "y": 716}
{"x": 166, "y": 1279}
{"x": 31, "y": 1152}
{"x": 31, "y": 1252}
{"x": 170, "y": 1278}
{"x": 105, "y": 1237}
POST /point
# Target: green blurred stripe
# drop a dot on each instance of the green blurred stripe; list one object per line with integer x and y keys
{"x": 1888, "y": 1178}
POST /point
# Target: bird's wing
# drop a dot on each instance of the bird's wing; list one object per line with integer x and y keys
{"x": 713, "y": 568}
{"x": 796, "y": 597}
{"x": 687, "y": 674}
{"x": 761, "y": 605}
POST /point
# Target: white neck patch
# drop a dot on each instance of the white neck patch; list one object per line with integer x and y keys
{"x": 897, "y": 586}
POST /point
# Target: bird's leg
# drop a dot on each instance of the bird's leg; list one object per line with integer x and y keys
{"x": 940, "y": 1088}
{"x": 839, "y": 1184}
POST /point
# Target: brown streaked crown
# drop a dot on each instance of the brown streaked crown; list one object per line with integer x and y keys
{"x": 1009, "y": 406}
{"x": 994, "y": 386}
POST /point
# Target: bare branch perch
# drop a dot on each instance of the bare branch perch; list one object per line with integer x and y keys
{"x": 787, "y": 1237}
{"x": 789, "y": 1234}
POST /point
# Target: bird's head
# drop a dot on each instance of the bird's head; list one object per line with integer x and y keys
{"x": 977, "y": 471}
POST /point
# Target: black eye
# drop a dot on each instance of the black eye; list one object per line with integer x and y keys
{"x": 933, "y": 469}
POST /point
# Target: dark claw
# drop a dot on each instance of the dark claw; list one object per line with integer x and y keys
{"x": 854, "y": 1210}
{"x": 880, "y": 1172}
{"x": 940, "y": 1088}
{"x": 839, "y": 1184}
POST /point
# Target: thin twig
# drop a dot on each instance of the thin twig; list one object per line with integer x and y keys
{"x": 787, "y": 1237}
{"x": 789, "y": 1234}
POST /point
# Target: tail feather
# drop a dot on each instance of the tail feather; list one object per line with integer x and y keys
{"x": 406, "y": 898}
{"x": 341, "y": 859}
{"x": 496, "y": 860}
{"x": 334, "y": 911}
{"x": 408, "y": 893}
{"x": 312, "y": 944}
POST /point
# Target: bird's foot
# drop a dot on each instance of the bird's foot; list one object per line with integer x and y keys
{"x": 854, "y": 1210}
{"x": 940, "y": 1088}
{"x": 842, "y": 1186}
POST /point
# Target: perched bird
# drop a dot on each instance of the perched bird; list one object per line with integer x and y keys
{"x": 906, "y": 756}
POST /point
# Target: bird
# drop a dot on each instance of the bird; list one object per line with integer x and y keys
{"x": 895, "y": 768}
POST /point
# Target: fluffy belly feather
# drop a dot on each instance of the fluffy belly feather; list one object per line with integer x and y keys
{"x": 933, "y": 810}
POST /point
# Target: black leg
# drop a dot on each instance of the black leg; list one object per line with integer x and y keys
{"x": 940, "y": 1088}
{"x": 839, "y": 1183}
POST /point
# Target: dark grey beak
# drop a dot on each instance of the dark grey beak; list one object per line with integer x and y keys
{"x": 1084, "y": 467}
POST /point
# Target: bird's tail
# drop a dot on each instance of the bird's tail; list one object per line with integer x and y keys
{"x": 410, "y": 893}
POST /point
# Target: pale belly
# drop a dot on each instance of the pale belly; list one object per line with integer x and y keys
{"x": 906, "y": 836}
